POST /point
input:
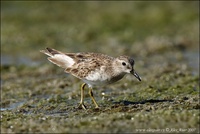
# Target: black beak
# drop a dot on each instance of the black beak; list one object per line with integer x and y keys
{"x": 136, "y": 75}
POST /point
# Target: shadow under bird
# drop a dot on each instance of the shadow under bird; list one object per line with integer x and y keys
{"x": 93, "y": 68}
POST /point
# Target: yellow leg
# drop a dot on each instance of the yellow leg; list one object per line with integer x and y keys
{"x": 94, "y": 101}
{"x": 81, "y": 105}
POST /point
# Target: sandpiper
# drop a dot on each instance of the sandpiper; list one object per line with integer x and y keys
{"x": 92, "y": 68}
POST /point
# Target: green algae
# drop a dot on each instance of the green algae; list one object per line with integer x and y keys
{"x": 41, "y": 98}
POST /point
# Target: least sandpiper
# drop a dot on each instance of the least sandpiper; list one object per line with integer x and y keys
{"x": 92, "y": 68}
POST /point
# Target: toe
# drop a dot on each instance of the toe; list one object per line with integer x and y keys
{"x": 82, "y": 106}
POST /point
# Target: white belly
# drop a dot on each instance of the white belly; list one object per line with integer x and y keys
{"x": 102, "y": 78}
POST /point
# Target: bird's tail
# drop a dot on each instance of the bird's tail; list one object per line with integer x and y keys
{"x": 59, "y": 58}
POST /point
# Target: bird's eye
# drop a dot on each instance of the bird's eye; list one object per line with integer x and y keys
{"x": 123, "y": 63}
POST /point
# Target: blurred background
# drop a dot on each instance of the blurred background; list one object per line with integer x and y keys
{"x": 162, "y": 37}
{"x": 115, "y": 28}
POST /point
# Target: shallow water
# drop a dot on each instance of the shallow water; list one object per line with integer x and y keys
{"x": 192, "y": 58}
{"x": 13, "y": 106}
{"x": 17, "y": 60}
{"x": 38, "y": 97}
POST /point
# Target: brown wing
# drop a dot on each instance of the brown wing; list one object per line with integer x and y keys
{"x": 78, "y": 64}
{"x": 87, "y": 56}
{"x": 86, "y": 63}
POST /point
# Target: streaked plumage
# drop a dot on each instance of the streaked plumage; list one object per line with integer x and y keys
{"x": 92, "y": 68}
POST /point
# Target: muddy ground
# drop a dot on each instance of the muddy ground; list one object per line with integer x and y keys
{"x": 163, "y": 38}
